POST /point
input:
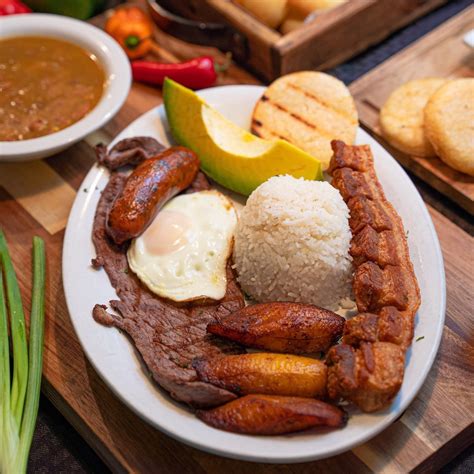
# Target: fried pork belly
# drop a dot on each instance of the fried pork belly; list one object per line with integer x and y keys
{"x": 390, "y": 325}
{"x": 384, "y": 275}
{"x": 367, "y": 368}
{"x": 374, "y": 287}
{"x": 372, "y": 246}
{"x": 365, "y": 212}
{"x": 356, "y": 183}
{"x": 369, "y": 376}
{"x": 356, "y": 158}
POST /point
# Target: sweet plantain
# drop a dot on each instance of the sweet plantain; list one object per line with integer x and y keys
{"x": 272, "y": 415}
{"x": 282, "y": 327}
{"x": 272, "y": 374}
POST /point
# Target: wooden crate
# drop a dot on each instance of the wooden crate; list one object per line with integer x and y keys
{"x": 331, "y": 38}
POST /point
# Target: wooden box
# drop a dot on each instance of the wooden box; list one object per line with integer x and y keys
{"x": 331, "y": 38}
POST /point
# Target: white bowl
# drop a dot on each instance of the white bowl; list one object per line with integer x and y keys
{"x": 109, "y": 54}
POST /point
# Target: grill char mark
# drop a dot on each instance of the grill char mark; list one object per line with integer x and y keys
{"x": 300, "y": 119}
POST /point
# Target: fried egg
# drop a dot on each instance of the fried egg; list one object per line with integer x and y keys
{"x": 183, "y": 254}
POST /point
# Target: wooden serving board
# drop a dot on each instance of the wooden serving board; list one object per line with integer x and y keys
{"x": 34, "y": 200}
{"x": 441, "y": 53}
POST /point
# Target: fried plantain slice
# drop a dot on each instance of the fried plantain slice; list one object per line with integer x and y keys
{"x": 272, "y": 415}
{"x": 293, "y": 328}
{"x": 272, "y": 374}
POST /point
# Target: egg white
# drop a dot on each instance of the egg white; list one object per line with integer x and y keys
{"x": 196, "y": 268}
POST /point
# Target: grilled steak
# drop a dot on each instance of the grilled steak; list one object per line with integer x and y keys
{"x": 129, "y": 151}
{"x": 168, "y": 335}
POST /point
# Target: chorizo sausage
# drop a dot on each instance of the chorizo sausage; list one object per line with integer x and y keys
{"x": 147, "y": 189}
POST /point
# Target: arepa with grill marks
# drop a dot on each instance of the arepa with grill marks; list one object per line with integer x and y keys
{"x": 308, "y": 109}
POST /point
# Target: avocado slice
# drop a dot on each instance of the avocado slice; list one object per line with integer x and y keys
{"x": 230, "y": 155}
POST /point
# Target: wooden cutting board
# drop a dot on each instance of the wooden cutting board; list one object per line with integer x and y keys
{"x": 441, "y": 53}
{"x": 35, "y": 199}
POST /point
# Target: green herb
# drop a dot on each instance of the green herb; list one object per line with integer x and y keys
{"x": 419, "y": 338}
{"x": 19, "y": 399}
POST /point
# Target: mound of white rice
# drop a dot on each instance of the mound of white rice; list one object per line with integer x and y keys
{"x": 292, "y": 243}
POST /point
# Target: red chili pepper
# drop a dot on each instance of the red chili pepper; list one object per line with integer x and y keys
{"x": 13, "y": 7}
{"x": 195, "y": 74}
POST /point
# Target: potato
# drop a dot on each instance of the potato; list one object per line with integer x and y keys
{"x": 282, "y": 327}
{"x": 272, "y": 374}
{"x": 305, "y": 7}
{"x": 271, "y": 415}
{"x": 292, "y": 22}
{"x": 270, "y": 12}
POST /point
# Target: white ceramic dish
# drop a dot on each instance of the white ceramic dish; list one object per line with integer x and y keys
{"x": 115, "y": 359}
{"x": 109, "y": 54}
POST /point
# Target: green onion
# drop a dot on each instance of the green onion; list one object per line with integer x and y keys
{"x": 19, "y": 399}
{"x": 8, "y": 435}
{"x": 18, "y": 331}
{"x": 36, "y": 354}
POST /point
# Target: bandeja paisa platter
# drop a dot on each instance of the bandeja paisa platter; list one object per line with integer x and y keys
{"x": 179, "y": 351}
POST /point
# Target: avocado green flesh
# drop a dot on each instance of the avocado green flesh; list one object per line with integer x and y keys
{"x": 231, "y": 156}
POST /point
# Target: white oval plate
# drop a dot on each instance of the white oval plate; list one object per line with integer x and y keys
{"x": 115, "y": 359}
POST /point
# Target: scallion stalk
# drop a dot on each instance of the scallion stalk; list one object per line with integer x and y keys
{"x": 5, "y": 415}
{"x": 20, "y": 396}
{"x": 35, "y": 355}
{"x": 18, "y": 332}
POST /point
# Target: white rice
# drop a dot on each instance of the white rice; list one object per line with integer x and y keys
{"x": 292, "y": 243}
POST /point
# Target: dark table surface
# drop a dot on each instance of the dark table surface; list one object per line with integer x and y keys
{"x": 58, "y": 448}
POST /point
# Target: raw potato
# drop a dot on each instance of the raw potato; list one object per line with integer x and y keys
{"x": 282, "y": 327}
{"x": 270, "y": 12}
{"x": 308, "y": 109}
{"x": 305, "y": 7}
{"x": 449, "y": 124}
{"x": 402, "y": 116}
{"x": 272, "y": 415}
{"x": 272, "y": 374}
{"x": 292, "y": 22}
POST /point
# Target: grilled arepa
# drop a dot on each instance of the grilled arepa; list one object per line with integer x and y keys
{"x": 308, "y": 109}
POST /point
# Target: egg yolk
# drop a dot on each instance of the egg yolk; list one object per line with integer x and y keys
{"x": 167, "y": 232}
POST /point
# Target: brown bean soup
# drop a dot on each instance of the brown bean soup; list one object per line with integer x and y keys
{"x": 46, "y": 84}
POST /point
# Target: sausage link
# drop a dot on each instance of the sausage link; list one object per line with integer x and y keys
{"x": 148, "y": 188}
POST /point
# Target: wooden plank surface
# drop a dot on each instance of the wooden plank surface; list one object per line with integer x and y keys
{"x": 441, "y": 53}
{"x": 433, "y": 429}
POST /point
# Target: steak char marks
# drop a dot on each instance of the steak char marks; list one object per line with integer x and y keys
{"x": 168, "y": 335}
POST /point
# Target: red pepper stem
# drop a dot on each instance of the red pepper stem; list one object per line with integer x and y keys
{"x": 225, "y": 65}
{"x": 132, "y": 41}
